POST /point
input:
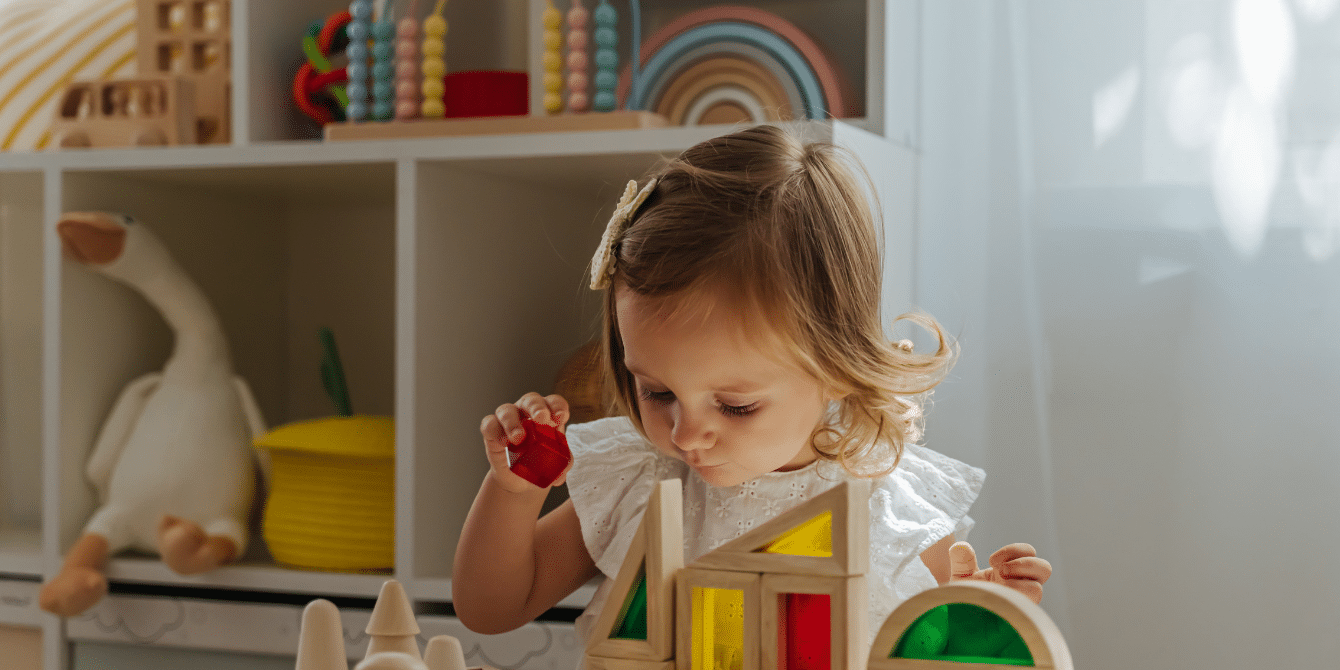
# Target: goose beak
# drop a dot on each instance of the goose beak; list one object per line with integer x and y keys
{"x": 92, "y": 238}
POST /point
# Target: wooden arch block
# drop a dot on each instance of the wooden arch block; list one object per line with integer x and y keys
{"x": 1038, "y": 631}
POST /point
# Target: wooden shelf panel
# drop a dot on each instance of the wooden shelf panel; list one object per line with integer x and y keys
{"x": 249, "y": 577}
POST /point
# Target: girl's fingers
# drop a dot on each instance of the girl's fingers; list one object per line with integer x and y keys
{"x": 1031, "y": 589}
{"x": 510, "y": 416}
{"x": 1029, "y": 567}
{"x": 962, "y": 561}
{"x": 558, "y": 407}
{"x": 1010, "y": 552}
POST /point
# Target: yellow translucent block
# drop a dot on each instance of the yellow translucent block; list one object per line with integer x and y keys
{"x": 812, "y": 538}
{"x": 718, "y": 629}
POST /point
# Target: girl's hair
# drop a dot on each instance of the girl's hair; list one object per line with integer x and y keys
{"x": 784, "y": 228}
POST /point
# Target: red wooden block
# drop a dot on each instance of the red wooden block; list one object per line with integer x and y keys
{"x": 541, "y": 456}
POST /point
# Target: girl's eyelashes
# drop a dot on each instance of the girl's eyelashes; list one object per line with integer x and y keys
{"x": 666, "y": 397}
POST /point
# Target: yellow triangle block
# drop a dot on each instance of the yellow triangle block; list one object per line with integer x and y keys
{"x": 812, "y": 538}
{"x": 826, "y": 535}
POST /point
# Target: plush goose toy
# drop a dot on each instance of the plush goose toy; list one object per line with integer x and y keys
{"x": 173, "y": 465}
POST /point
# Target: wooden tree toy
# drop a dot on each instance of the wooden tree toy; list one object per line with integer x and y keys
{"x": 392, "y": 645}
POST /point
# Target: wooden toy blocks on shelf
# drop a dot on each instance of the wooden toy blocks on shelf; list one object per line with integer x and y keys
{"x": 191, "y": 39}
{"x": 146, "y": 111}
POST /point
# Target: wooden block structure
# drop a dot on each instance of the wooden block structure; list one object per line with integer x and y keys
{"x": 794, "y": 585}
{"x": 790, "y": 594}
{"x": 391, "y": 645}
{"x": 182, "y": 94}
{"x": 191, "y": 39}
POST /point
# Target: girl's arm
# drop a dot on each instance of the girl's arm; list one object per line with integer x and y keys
{"x": 510, "y": 568}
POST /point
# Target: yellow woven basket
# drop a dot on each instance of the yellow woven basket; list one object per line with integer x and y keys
{"x": 332, "y": 494}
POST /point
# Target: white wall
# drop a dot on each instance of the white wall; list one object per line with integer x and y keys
{"x": 1130, "y": 213}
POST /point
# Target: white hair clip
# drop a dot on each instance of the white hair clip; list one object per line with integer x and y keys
{"x": 602, "y": 265}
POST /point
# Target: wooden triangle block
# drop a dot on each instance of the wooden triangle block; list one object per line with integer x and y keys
{"x": 657, "y": 553}
{"x": 849, "y": 504}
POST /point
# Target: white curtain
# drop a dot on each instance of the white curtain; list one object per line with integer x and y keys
{"x": 1130, "y": 216}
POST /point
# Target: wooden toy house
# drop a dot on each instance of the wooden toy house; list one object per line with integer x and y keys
{"x": 791, "y": 594}
{"x": 183, "y": 92}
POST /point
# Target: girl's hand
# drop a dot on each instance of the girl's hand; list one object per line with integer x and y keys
{"x": 1016, "y": 566}
{"x": 503, "y": 428}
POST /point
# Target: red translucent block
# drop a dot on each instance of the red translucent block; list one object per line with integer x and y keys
{"x": 542, "y": 455}
{"x": 806, "y": 632}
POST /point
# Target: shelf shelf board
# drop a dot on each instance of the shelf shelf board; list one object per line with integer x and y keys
{"x": 21, "y": 551}
{"x": 667, "y": 140}
{"x": 248, "y": 577}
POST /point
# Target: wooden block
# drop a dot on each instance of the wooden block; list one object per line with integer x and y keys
{"x": 847, "y": 619}
{"x": 191, "y": 40}
{"x": 496, "y": 125}
{"x": 599, "y": 663}
{"x": 1039, "y": 632}
{"x": 144, "y": 111}
{"x": 747, "y": 583}
{"x": 657, "y": 550}
{"x": 849, "y": 503}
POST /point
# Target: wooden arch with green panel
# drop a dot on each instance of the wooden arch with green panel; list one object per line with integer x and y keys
{"x": 968, "y": 625}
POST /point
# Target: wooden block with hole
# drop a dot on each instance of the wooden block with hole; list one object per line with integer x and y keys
{"x": 826, "y": 535}
{"x": 637, "y": 621}
{"x": 191, "y": 39}
{"x": 145, "y": 111}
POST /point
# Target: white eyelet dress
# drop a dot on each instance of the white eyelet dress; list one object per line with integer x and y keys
{"x": 925, "y": 499}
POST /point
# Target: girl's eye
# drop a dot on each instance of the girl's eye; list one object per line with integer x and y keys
{"x": 666, "y": 397}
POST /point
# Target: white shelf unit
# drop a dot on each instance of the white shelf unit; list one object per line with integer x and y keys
{"x": 451, "y": 270}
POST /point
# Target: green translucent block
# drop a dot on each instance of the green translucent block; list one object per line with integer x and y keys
{"x": 633, "y": 615}
{"x": 963, "y": 633}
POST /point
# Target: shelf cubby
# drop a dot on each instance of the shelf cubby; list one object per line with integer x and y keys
{"x": 280, "y": 251}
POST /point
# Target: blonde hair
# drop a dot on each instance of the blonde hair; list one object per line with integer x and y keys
{"x": 783, "y": 226}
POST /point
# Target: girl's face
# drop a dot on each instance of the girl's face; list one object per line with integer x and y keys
{"x": 710, "y": 398}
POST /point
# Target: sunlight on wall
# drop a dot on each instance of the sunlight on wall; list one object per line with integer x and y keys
{"x": 1237, "y": 118}
{"x": 1112, "y": 105}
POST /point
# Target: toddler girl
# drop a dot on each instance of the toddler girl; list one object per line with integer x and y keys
{"x": 743, "y": 347}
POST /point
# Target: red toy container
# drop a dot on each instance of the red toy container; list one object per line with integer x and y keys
{"x": 486, "y": 93}
{"x": 541, "y": 456}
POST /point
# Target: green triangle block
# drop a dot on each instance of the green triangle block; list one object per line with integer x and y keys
{"x": 632, "y": 623}
{"x": 963, "y": 633}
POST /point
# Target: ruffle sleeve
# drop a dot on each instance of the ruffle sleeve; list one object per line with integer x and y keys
{"x": 613, "y": 473}
{"x": 925, "y": 499}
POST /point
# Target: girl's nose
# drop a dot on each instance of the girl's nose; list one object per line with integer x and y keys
{"x": 691, "y": 433}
